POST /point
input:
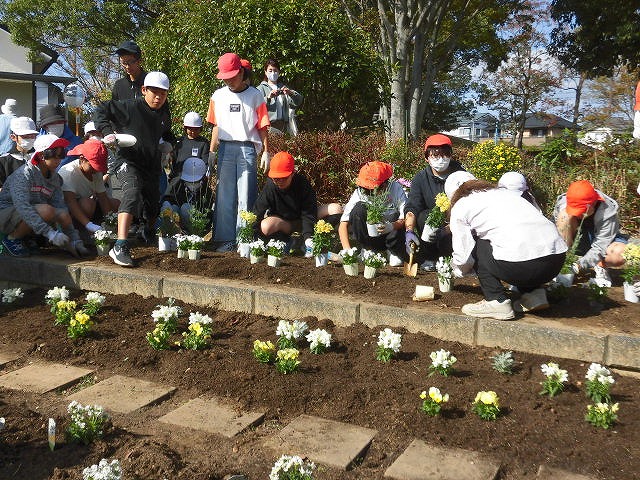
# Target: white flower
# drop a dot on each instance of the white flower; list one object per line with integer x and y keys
{"x": 57, "y": 293}
{"x": 257, "y": 245}
{"x": 105, "y": 470}
{"x": 291, "y": 331}
{"x": 318, "y": 337}
{"x": 199, "y": 318}
{"x": 373, "y": 259}
{"x": 292, "y": 464}
{"x": 10, "y": 295}
{"x": 195, "y": 241}
{"x": 553, "y": 370}
{"x": 103, "y": 236}
{"x": 598, "y": 373}
{"x": 2, "y": 423}
{"x": 277, "y": 244}
{"x": 442, "y": 359}
{"x": 349, "y": 255}
{"x": 95, "y": 298}
{"x": 389, "y": 340}
{"x": 165, "y": 313}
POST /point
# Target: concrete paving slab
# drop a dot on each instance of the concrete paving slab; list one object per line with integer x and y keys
{"x": 122, "y": 394}
{"x": 121, "y": 281}
{"x": 548, "y": 473}
{"x": 218, "y": 293}
{"x": 43, "y": 377}
{"x": 213, "y": 416}
{"x": 421, "y": 461}
{"x": 10, "y": 352}
{"x": 323, "y": 441}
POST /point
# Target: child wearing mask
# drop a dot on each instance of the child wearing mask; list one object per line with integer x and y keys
{"x": 52, "y": 121}
{"x": 23, "y": 135}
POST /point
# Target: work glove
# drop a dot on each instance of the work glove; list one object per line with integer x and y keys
{"x": 79, "y": 248}
{"x": 92, "y": 227}
{"x": 308, "y": 248}
{"x": 409, "y": 238}
{"x": 429, "y": 234}
{"x": 636, "y": 288}
{"x": 576, "y": 268}
{"x": 59, "y": 239}
{"x": 264, "y": 161}
{"x": 384, "y": 228}
{"x": 110, "y": 140}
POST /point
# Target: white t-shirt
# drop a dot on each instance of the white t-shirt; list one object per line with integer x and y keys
{"x": 396, "y": 200}
{"x": 73, "y": 180}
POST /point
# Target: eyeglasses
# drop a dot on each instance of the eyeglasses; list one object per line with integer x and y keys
{"x": 128, "y": 63}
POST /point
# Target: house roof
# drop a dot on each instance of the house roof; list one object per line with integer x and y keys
{"x": 546, "y": 120}
{"x": 47, "y": 56}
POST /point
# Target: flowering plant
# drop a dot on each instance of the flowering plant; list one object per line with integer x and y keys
{"x": 442, "y": 362}
{"x": 554, "y": 382}
{"x": 602, "y": 414}
{"x": 199, "y": 332}
{"x": 10, "y": 295}
{"x": 319, "y": 340}
{"x": 169, "y": 223}
{"x": 94, "y": 303}
{"x": 631, "y": 269}
{"x": 432, "y": 402}
{"x": 438, "y": 213}
{"x": 349, "y": 256}
{"x": 104, "y": 470}
{"x": 110, "y": 222}
{"x": 87, "y": 422}
{"x": 444, "y": 269}
{"x": 263, "y": 351}
{"x": 376, "y": 206}
{"x": 488, "y": 160}
{"x": 195, "y": 242}
{"x": 598, "y": 288}
{"x": 292, "y": 467}
{"x": 159, "y": 338}
{"x": 103, "y": 237}
{"x": 79, "y": 325}
{"x": 598, "y": 384}
{"x": 182, "y": 241}
{"x": 65, "y": 310}
{"x": 503, "y": 362}
{"x": 275, "y": 248}
{"x": 257, "y": 248}
{"x": 486, "y": 405}
{"x": 55, "y": 295}
{"x": 322, "y": 233}
{"x": 373, "y": 259}
{"x": 389, "y": 343}
{"x": 245, "y": 233}
{"x": 198, "y": 220}
{"x": 166, "y": 319}
{"x": 287, "y": 360}
{"x": 290, "y": 332}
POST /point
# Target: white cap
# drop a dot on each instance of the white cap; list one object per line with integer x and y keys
{"x": 9, "y": 107}
{"x": 455, "y": 180}
{"x": 192, "y": 119}
{"x": 89, "y": 127}
{"x": 23, "y": 126}
{"x": 156, "y": 79}
{"x": 193, "y": 169}
{"x": 513, "y": 181}
{"x": 48, "y": 141}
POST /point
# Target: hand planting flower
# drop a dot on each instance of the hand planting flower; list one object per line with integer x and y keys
{"x": 444, "y": 269}
{"x": 79, "y": 325}
{"x": 290, "y": 332}
{"x": 257, "y": 248}
{"x": 432, "y": 402}
{"x": 10, "y": 295}
{"x": 94, "y": 303}
{"x": 373, "y": 259}
{"x": 322, "y": 234}
{"x": 55, "y": 295}
{"x": 264, "y": 352}
{"x": 438, "y": 213}
{"x": 349, "y": 256}
{"x": 554, "y": 382}
{"x": 389, "y": 344}
{"x": 65, "y": 310}
{"x": 103, "y": 237}
{"x": 292, "y": 467}
{"x": 287, "y": 360}
{"x": 602, "y": 415}
{"x": 275, "y": 248}
{"x": 598, "y": 384}
{"x": 104, "y": 470}
{"x": 87, "y": 422}
{"x": 486, "y": 405}
{"x": 319, "y": 340}
{"x": 442, "y": 363}
{"x": 503, "y": 362}
{"x": 246, "y": 232}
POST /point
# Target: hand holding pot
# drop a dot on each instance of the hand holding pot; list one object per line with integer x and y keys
{"x": 384, "y": 228}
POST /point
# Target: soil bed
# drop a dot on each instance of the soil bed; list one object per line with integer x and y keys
{"x": 346, "y": 384}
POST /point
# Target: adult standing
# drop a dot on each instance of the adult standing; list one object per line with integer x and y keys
{"x": 129, "y": 86}
{"x": 53, "y": 122}
{"x": 281, "y": 100}
{"x": 8, "y": 113}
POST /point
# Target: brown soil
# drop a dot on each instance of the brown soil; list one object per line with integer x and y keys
{"x": 346, "y": 384}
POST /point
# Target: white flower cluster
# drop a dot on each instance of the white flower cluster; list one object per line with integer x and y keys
{"x": 2, "y": 423}
{"x": 105, "y": 470}
{"x": 164, "y": 313}
{"x": 318, "y": 337}
{"x": 598, "y": 373}
{"x": 10, "y": 295}
{"x": 444, "y": 268}
{"x": 289, "y": 465}
{"x": 291, "y": 330}
{"x": 349, "y": 256}
{"x": 56, "y": 294}
{"x": 553, "y": 370}
{"x": 442, "y": 359}
{"x": 277, "y": 244}
{"x": 195, "y": 241}
{"x": 103, "y": 236}
{"x": 257, "y": 245}
{"x": 80, "y": 414}
{"x": 373, "y": 259}
{"x": 182, "y": 241}
{"x": 95, "y": 298}
{"x": 197, "y": 317}
{"x": 389, "y": 340}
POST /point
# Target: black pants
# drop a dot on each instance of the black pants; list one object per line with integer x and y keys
{"x": 392, "y": 241}
{"x": 442, "y": 247}
{"x": 527, "y": 275}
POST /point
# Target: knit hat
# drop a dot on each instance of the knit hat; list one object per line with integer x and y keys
{"x": 282, "y": 165}
{"x": 50, "y": 114}
{"x": 95, "y": 152}
{"x": 580, "y": 196}
{"x": 454, "y": 181}
{"x": 23, "y": 126}
{"x": 513, "y": 181}
{"x": 228, "y": 66}
{"x": 437, "y": 140}
{"x": 44, "y": 142}
{"x": 374, "y": 174}
{"x": 193, "y": 169}
{"x": 9, "y": 107}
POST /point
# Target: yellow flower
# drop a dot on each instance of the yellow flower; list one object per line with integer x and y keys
{"x": 488, "y": 398}
{"x": 615, "y": 407}
{"x": 82, "y": 318}
{"x": 73, "y": 322}
{"x": 500, "y": 165}
{"x": 442, "y": 202}
{"x": 288, "y": 354}
{"x": 196, "y": 328}
{"x": 166, "y": 213}
{"x": 263, "y": 346}
{"x": 323, "y": 227}
{"x": 423, "y": 395}
{"x": 248, "y": 217}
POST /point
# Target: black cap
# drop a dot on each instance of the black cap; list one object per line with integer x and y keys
{"x": 128, "y": 47}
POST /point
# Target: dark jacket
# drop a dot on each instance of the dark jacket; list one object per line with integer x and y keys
{"x": 424, "y": 188}
{"x": 178, "y": 194}
{"x": 185, "y": 148}
{"x": 9, "y": 163}
{"x": 126, "y": 89}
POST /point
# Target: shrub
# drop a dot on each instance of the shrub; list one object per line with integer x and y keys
{"x": 488, "y": 160}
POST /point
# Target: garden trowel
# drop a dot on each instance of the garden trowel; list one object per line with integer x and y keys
{"x": 411, "y": 269}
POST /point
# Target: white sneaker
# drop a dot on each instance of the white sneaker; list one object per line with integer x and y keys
{"x": 602, "y": 276}
{"x": 489, "y": 309}
{"x": 532, "y": 301}
{"x": 394, "y": 260}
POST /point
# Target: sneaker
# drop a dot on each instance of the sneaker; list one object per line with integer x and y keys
{"x": 15, "y": 247}
{"x": 532, "y": 301}
{"x": 428, "y": 266}
{"x": 394, "y": 260}
{"x": 229, "y": 246}
{"x": 602, "y": 276}
{"x": 121, "y": 255}
{"x": 489, "y": 309}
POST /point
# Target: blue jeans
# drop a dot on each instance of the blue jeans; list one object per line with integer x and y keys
{"x": 237, "y": 188}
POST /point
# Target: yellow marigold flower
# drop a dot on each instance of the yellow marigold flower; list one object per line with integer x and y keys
{"x": 248, "y": 217}
{"x": 442, "y": 202}
{"x": 323, "y": 227}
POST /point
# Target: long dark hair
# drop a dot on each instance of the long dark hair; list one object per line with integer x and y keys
{"x": 471, "y": 186}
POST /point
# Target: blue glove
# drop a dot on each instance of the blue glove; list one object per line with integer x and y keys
{"x": 411, "y": 237}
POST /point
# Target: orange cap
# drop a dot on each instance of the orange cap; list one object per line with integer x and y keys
{"x": 437, "y": 140}
{"x": 580, "y": 196}
{"x": 374, "y": 174}
{"x": 281, "y": 166}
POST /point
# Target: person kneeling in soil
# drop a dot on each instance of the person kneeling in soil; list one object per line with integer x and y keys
{"x": 31, "y": 200}
{"x": 376, "y": 190}
{"x": 501, "y": 237}
{"x": 596, "y": 216}
{"x": 288, "y": 203}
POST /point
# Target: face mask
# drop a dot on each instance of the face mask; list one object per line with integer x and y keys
{"x": 55, "y": 129}
{"x": 439, "y": 164}
{"x": 26, "y": 144}
{"x": 273, "y": 76}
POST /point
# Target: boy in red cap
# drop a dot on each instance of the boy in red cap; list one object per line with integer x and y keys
{"x": 83, "y": 186}
{"x": 375, "y": 178}
{"x": 602, "y": 243}
{"x": 426, "y": 184}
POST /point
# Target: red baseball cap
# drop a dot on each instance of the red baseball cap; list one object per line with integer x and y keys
{"x": 580, "y": 196}
{"x": 437, "y": 140}
{"x": 245, "y": 64}
{"x": 282, "y": 165}
{"x": 228, "y": 66}
{"x": 95, "y": 152}
{"x": 374, "y": 174}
